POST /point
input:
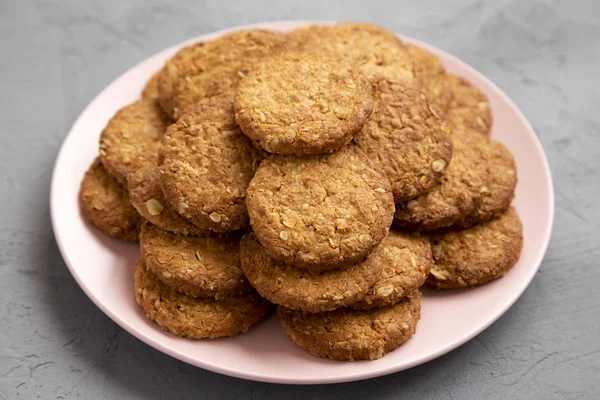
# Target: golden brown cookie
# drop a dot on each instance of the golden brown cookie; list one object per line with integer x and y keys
{"x": 150, "y": 90}
{"x": 349, "y": 335}
{"x": 148, "y": 199}
{"x": 303, "y": 104}
{"x": 105, "y": 203}
{"x": 406, "y": 259}
{"x": 206, "y": 163}
{"x": 469, "y": 107}
{"x": 456, "y": 196}
{"x": 499, "y": 190}
{"x": 405, "y": 138}
{"x": 195, "y": 317}
{"x": 200, "y": 266}
{"x": 300, "y": 289}
{"x": 320, "y": 212}
{"x": 232, "y": 54}
{"x": 130, "y": 135}
{"x": 377, "y": 52}
{"x": 477, "y": 255}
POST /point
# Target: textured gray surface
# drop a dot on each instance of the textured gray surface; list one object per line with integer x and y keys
{"x": 56, "y": 56}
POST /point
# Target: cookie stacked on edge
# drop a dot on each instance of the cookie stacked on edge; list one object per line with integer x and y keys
{"x": 267, "y": 167}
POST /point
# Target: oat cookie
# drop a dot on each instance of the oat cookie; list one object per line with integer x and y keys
{"x": 105, "y": 203}
{"x": 349, "y": 335}
{"x": 129, "y": 135}
{"x": 477, "y": 255}
{"x": 195, "y": 317}
{"x": 405, "y": 137}
{"x": 206, "y": 164}
{"x": 150, "y": 90}
{"x": 200, "y": 266}
{"x": 406, "y": 259}
{"x": 377, "y": 52}
{"x": 456, "y": 196}
{"x": 300, "y": 289}
{"x": 233, "y": 54}
{"x": 320, "y": 212}
{"x": 148, "y": 199}
{"x": 469, "y": 107}
{"x": 303, "y": 104}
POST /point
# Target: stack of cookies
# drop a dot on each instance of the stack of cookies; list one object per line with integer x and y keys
{"x": 331, "y": 171}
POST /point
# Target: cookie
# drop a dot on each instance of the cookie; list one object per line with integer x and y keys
{"x": 206, "y": 163}
{"x": 130, "y": 135}
{"x": 349, "y": 335}
{"x": 150, "y": 90}
{"x": 148, "y": 199}
{"x": 469, "y": 107}
{"x": 406, "y": 259}
{"x": 377, "y": 52}
{"x": 456, "y": 196}
{"x": 320, "y": 212}
{"x": 300, "y": 289}
{"x": 105, "y": 203}
{"x": 477, "y": 255}
{"x": 195, "y": 317}
{"x": 436, "y": 85}
{"x": 499, "y": 190}
{"x": 303, "y": 103}
{"x": 405, "y": 137}
{"x": 233, "y": 53}
{"x": 201, "y": 266}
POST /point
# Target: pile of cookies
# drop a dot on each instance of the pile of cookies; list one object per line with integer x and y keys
{"x": 267, "y": 168}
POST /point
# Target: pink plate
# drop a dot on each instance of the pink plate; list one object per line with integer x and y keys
{"x": 103, "y": 267}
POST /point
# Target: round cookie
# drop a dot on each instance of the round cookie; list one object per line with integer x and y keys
{"x": 206, "y": 164}
{"x": 320, "y": 212}
{"x": 499, "y": 191}
{"x": 456, "y": 196}
{"x": 377, "y": 52}
{"x": 148, "y": 199}
{"x": 230, "y": 53}
{"x": 300, "y": 289}
{"x": 150, "y": 90}
{"x": 105, "y": 203}
{"x": 469, "y": 107}
{"x": 406, "y": 259}
{"x": 129, "y": 136}
{"x": 477, "y": 255}
{"x": 349, "y": 335}
{"x": 200, "y": 266}
{"x": 303, "y": 104}
{"x": 194, "y": 317}
{"x": 405, "y": 137}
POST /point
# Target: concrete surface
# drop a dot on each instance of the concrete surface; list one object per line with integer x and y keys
{"x": 56, "y": 56}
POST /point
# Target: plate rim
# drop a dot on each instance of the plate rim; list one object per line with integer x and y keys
{"x": 284, "y": 25}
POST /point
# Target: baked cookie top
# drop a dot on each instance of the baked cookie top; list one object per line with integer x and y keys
{"x": 206, "y": 164}
{"x": 406, "y": 259}
{"x": 195, "y": 317}
{"x": 477, "y": 255}
{"x": 303, "y": 104}
{"x": 300, "y": 289}
{"x": 150, "y": 90}
{"x": 320, "y": 212}
{"x": 233, "y": 53}
{"x": 105, "y": 203}
{"x": 405, "y": 137}
{"x": 148, "y": 199}
{"x": 129, "y": 135}
{"x": 469, "y": 108}
{"x": 346, "y": 334}
{"x": 456, "y": 195}
{"x": 200, "y": 266}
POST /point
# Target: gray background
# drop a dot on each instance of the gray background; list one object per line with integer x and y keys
{"x": 56, "y": 56}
